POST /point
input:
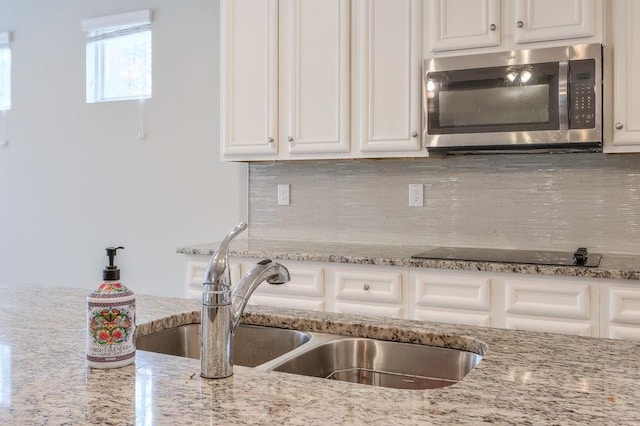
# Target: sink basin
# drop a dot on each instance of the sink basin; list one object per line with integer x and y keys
{"x": 252, "y": 345}
{"x": 382, "y": 363}
{"x": 349, "y": 359}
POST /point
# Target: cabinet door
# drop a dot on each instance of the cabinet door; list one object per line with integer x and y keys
{"x": 249, "y": 76}
{"x": 620, "y": 311}
{"x": 305, "y": 289}
{"x": 287, "y": 302}
{"x": 462, "y": 24}
{"x": 373, "y": 290}
{"x": 388, "y": 71}
{"x": 541, "y": 20}
{"x": 314, "y": 58}
{"x": 626, "y": 86}
{"x": 548, "y": 304}
{"x": 307, "y": 280}
{"x": 450, "y": 297}
{"x": 555, "y": 325}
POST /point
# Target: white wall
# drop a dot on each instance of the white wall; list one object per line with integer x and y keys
{"x": 75, "y": 179}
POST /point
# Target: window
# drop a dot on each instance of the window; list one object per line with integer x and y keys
{"x": 5, "y": 72}
{"x": 118, "y": 56}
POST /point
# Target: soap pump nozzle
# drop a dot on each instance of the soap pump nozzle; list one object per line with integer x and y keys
{"x": 111, "y": 272}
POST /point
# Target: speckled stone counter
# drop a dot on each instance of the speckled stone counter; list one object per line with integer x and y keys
{"x": 611, "y": 266}
{"x": 524, "y": 378}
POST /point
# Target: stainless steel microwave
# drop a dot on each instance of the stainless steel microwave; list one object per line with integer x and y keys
{"x": 525, "y": 100}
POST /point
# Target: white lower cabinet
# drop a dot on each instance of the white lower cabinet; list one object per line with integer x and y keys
{"x": 516, "y": 301}
{"x": 567, "y": 305}
{"x": 305, "y": 290}
{"x": 371, "y": 290}
{"x": 620, "y": 311}
{"x": 547, "y": 304}
{"x": 451, "y": 297}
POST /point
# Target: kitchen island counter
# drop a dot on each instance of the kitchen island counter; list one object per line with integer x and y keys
{"x": 524, "y": 378}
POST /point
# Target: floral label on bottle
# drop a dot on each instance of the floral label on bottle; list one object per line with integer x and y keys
{"x": 110, "y": 328}
{"x": 111, "y": 289}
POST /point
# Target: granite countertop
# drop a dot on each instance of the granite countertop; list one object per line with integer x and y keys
{"x": 524, "y": 378}
{"x": 611, "y": 266}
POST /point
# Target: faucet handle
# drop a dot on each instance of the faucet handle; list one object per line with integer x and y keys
{"x": 218, "y": 264}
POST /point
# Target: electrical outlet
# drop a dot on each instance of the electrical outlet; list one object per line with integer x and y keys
{"x": 416, "y": 195}
{"x": 283, "y": 194}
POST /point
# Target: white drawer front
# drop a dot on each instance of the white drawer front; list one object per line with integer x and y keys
{"x": 559, "y": 298}
{"x": 458, "y": 292}
{"x": 377, "y": 310}
{"x": 284, "y": 302}
{"x": 550, "y": 326}
{"x": 373, "y": 286}
{"x": 452, "y": 317}
{"x": 624, "y": 305}
{"x": 306, "y": 280}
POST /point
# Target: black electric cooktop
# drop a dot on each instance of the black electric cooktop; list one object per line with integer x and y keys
{"x": 578, "y": 258}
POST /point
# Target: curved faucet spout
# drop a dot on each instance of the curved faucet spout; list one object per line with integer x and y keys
{"x": 218, "y": 269}
{"x": 265, "y": 270}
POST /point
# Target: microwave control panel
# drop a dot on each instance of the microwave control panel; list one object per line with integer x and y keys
{"x": 582, "y": 94}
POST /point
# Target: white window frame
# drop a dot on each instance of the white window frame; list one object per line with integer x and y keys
{"x": 109, "y": 27}
{"x": 5, "y": 39}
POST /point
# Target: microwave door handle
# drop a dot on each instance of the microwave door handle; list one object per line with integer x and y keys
{"x": 563, "y": 89}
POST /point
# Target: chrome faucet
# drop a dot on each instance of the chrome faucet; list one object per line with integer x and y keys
{"x": 223, "y": 304}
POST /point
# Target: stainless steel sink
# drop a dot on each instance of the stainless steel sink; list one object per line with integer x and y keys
{"x": 382, "y": 363}
{"x": 358, "y": 360}
{"x": 252, "y": 345}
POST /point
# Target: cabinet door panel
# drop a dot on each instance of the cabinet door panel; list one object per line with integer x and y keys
{"x": 462, "y": 24}
{"x": 388, "y": 56}
{"x": 550, "y": 325}
{"x": 369, "y": 286}
{"x": 626, "y": 86}
{"x": 548, "y": 298}
{"x": 449, "y": 291}
{"x": 314, "y": 49}
{"x": 452, "y": 317}
{"x": 377, "y": 310}
{"x": 306, "y": 280}
{"x": 249, "y": 72}
{"x": 622, "y": 305}
{"x": 554, "y": 20}
{"x": 622, "y": 332}
{"x": 286, "y": 302}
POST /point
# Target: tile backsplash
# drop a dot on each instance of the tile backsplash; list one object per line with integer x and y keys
{"x": 535, "y": 201}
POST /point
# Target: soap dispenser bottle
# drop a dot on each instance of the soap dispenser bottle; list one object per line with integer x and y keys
{"x": 111, "y": 317}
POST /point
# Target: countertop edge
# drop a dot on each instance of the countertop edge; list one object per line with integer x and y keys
{"x": 621, "y": 267}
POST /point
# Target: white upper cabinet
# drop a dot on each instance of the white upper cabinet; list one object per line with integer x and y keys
{"x": 477, "y": 26}
{"x": 249, "y": 77}
{"x": 388, "y": 56}
{"x": 462, "y": 24}
{"x": 314, "y": 76}
{"x": 301, "y": 79}
{"x": 543, "y": 20}
{"x": 285, "y": 78}
{"x": 625, "y": 123}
